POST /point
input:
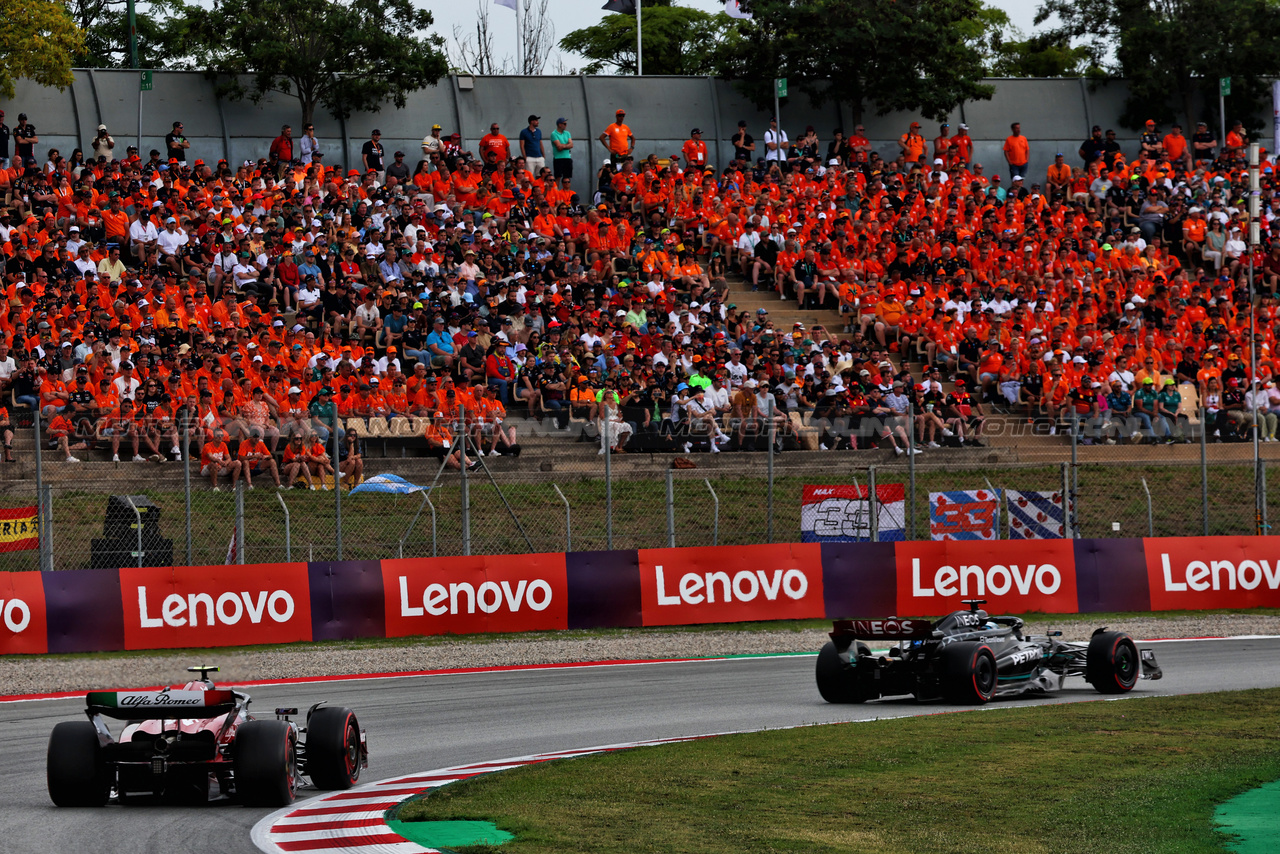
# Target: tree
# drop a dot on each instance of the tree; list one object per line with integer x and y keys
{"x": 37, "y": 42}
{"x": 677, "y": 40}
{"x": 345, "y": 56}
{"x": 908, "y": 55}
{"x": 1040, "y": 56}
{"x": 473, "y": 50}
{"x": 1170, "y": 51}
{"x": 161, "y": 33}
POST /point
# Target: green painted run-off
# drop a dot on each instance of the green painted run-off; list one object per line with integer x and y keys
{"x": 1252, "y": 820}
{"x": 450, "y": 834}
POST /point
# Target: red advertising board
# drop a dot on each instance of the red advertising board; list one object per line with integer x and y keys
{"x": 167, "y": 607}
{"x": 1196, "y": 573}
{"x": 727, "y": 584}
{"x": 23, "y": 626}
{"x": 1013, "y": 576}
{"x": 466, "y": 595}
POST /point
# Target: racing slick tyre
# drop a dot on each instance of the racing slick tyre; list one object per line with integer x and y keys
{"x": 968, "y": 673}
{"x": 837, "y": 681}
{"x": 266, "y": 763}
{"x": 76, "y": 774}
{"x": 333, "y": 748}
{"x": 1111, "y": 664}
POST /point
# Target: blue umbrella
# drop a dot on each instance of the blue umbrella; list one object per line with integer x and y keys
{"x": 387, "y": 483}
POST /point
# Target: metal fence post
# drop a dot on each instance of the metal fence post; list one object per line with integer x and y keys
{"x": 239, "y": 521}
{"x": 186, "y": 484}
{"x": 911, "y": 470}
{"x": 41, "y": 522}
{"x": 715, "y": 519}
{"x": 769, "y": 500}
{"x": 137, "y": 525}
{"x": 426, "y": 496}
{"x": 1204, "y": 468}
{"x": 671, "y": 508}
{"x": 1264, "y": 528}
{"x": 466, "y": 487}
{"x": 873, "y": 504}
{"x": 337, "y": 485}
{"x": 46, "y": 529}
{"x": 1068, "y": 522}
{"x": 1075, "y": 452}
{"x": 608, "y": 482}
{"x": 568, "y": 519}
{"x": 1151, "y": 523}
{"x": 288, "y": 545}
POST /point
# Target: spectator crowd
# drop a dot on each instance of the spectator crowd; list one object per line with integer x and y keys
{"x": 265, "y": 301}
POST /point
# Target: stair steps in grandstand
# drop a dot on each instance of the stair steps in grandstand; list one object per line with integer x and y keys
{"x": 784, "y": 313}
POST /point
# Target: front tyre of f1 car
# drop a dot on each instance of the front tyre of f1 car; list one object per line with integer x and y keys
{"x": 967, "y": 673}
{"x": 837, "y": 681}
{"x": 77, "y": 776}
{"x": 1111, "y": 664}
{"x": 333, "y": 748}
{"x": 266, "y": 763}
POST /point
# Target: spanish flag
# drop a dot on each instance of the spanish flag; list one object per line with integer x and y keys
{"x": 19, "y": 529}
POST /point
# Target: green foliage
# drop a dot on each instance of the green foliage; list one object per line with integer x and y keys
{"x": 677, "y": 40}
{"x": 1172, "y": 53}
{"x": 1041, "y": 57}
{"x": 920, "y": 56}
{"x": 345, "y": 56}
{"x": 37, "y": 41}
{"x": 161, "y": 31}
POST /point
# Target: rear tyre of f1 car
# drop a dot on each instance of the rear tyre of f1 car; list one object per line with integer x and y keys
{"x": 333, "y": 748}
{"x": 77, "y": 776}
{"x": 968, "y": 673}
{"x": 1112, "y": 664}
{"x": 266, "y": 762}
{"x": 837, "y": 681}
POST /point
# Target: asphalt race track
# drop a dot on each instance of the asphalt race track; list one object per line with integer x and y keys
{"x": 420, "y": 723}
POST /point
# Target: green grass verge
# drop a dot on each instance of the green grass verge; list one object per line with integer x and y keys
{"x": 1143, "y": 775}
{"x": 374, "y": 525}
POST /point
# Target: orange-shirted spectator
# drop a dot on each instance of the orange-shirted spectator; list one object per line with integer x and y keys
{"x": 618, "y": 139}
{"x": 694, "y": 150}
{"x": 912, "y": 143}
{"x": 1017, "y": 151}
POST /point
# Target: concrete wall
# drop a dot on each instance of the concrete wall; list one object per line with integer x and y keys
{"x": 1056, "y": 115}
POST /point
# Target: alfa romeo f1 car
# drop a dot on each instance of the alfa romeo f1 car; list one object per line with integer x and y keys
{"x": 177, "y": 744}
{"x": 971, "y": 657}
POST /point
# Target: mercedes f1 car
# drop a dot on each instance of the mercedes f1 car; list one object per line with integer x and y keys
{"x": 971, "y": 657}
{"x": 178, "y": 744}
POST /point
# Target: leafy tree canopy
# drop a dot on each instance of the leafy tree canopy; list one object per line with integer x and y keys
{"x": 918, "y": 56}
{"x": 677, "y": 40}
{"x": 1172, "y": 51}
{"x": 37, "y": 41}
{"x": 344, "y": 55}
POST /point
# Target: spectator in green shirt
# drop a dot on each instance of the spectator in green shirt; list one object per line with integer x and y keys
{"x": 562, "y": 150}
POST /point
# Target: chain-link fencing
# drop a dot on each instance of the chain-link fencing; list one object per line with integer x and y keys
{"x": 563, "y": 495}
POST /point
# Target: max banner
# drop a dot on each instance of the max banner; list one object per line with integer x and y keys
{"x": 214, "y": 606}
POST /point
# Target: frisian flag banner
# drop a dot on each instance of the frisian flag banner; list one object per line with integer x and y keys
{"x": 965, "y": 514}
{"x": 842, "y": 514}
{"x": 1035, "y": 515}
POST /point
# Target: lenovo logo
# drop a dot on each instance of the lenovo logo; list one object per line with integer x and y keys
{"x": 694, "y": 588}
{"x": 1220, "y": 575}
{"x": 462, "y": 597}
{"x": 228, "y": 609}
{"x": 997, "y": 580}
{"x": 16, "y": 614}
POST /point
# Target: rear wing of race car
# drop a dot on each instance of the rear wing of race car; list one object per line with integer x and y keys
{"x": 166, "y": 704}
{"x": 889, "y": 629}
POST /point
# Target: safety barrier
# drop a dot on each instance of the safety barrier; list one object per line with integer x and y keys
{"x": 205, "y": 606}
